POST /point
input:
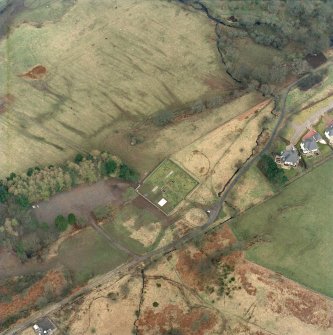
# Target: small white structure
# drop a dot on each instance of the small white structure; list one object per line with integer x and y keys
{"x": 162, "y": 202}
{"x": 329, "y": 133}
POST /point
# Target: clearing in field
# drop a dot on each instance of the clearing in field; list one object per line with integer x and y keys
{"x": 167, "y": 186}
{"x": 296, "y": 226}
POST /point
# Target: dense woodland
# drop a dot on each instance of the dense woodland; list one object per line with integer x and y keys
{"x": 19, "y": 229}
{"x": 288, "y": 29}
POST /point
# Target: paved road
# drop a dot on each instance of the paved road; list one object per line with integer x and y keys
{"x": 313, "y": 119}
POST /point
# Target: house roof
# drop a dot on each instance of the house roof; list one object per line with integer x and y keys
{"x": 329, "y": 130}
{"x": 309, "y": 134}
{"x": 310, "y": 144}
{"x": 312, "y": 133}
{"x": 290, "y": 156}
{"x": 317, "y": 137}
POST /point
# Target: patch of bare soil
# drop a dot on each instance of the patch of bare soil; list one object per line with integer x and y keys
{"x": 217, "y": 83}
{"x": 193, "y": 266}
{"x": 52, "y": 283}
{"x": 197, "y": 321}
{"x": 36, "y": 73}
{"x": 5, "y": 102}
{"x": 253, "y": 110}
{"x": 181, "y": 309}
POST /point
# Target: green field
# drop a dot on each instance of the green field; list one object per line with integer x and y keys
{"x": 170, "y": 182}
{"x": 296, "y": 97}
{"x": 297, "y": 226}
{"x": 88, "y": 254}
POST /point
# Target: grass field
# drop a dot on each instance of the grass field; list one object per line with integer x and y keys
{"x": 170, "y": 182}
{"x": 88, "y": 254}
{"x": 214, "y": 157}
{"x": 299, "y": 99}
{"x": 108, "y": 68}
{"x": 297, "y": 224}
{"x": 138, "y": 229}
{"x": 250, "y": 190}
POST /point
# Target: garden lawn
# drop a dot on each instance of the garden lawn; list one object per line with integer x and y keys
{"x": 170, "y": 182}
{"x": 298, "y": 227}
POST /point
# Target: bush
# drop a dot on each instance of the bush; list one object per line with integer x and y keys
{"x": 272, "y": 172}
{"x": 11, "y": 176}
{"x": 78, "y": 158}
{"x": 110, "y": 166}
{"x": 162, "y": 118}
{"x": 3, "y": 193}
{"x": 71, "y": 219}
{"x": 61, "y": 223}
{"x": 19, "y": 249}
{"x": 309, "y": 81}
{"x": 173, "y": 331}
{"x": 155, "y": 304}
{"x": 102, "y": 212}
{"x": 22, "y": 200}
{"x": 30, "y": 171}
{"x": 127, "y": 173}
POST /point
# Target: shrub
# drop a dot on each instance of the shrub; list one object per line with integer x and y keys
{"x": 113, "y": 296}
{"x": 173, "y": 331}
{"x": 30, "y": 171}
{"x": 78, "y": 158}
{"x": 272, "y": 172}
{"x": 162, "y": 118}
{"x": 102, "y": 212}
{"x": 127, "y": 173}
{"x": 11, "y": 176}
{"x": 3, "y": 193}
{"x": 19, "y": 249}
{"x": 22, "y": 200}
{"x": 309, "y": 81}
{"x": 71, "y": 219}
{"x": 110, "y": 166}
{"x": 155, "y": 304}
{"x": 61, "y": 223}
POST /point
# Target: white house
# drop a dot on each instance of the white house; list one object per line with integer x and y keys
{"x": 288, "y": 157}
{"x": 329, "y": 133}
{"x": 309, "y": 146}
